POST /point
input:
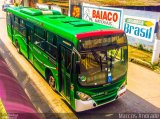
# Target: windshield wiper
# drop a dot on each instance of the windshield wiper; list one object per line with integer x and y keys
{"x": 101, "y": 62}
{"x": 98, "y": 58}
{"x": 95, "y": 56}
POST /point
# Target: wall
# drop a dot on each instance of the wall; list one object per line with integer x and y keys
{"x": 26, "y": 3}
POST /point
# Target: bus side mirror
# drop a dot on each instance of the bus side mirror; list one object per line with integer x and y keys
{"x": 78, "y": 67}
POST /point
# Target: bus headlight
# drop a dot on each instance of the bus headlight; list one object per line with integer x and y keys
{"x": 83, "y": 96}
{"x": 122, "y": 90}
{"x": 123, "y": 85}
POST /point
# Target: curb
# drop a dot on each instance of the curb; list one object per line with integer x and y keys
{"x": 146, "y": 64}
{"x": 141, "y": 62}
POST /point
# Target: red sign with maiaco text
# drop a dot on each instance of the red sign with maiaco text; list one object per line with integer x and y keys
{"x": 102, "y": 15}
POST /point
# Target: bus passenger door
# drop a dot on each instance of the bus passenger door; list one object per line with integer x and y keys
{"x": 29, "y": 42}
{"x": 65, "y": 71}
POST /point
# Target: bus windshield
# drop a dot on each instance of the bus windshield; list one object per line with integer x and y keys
{"x": 103, "y": 61}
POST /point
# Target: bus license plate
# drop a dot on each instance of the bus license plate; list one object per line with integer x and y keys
{"x": 109, "y": 79}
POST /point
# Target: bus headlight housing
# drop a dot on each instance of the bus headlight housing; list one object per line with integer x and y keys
{"x": 122, "y": 90}
{"x": 83, "y": 96}
{"x": 123, "y": 85}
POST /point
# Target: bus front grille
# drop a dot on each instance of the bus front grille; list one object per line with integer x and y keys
{"x": 102, "y": 99}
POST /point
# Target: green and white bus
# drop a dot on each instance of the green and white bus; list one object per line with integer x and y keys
{"x": 85, "y": 62}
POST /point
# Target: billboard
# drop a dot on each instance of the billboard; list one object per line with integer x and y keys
{"x": 102, "y": 15}
{"x": 139, "y": 27}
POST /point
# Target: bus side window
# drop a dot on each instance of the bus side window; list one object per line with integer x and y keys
{"x": 39, "y": 37}
{"x": 12, "y": 19}
{"x": 51, "y": 50}
{"x": 52, "y": 38}
{"x": 68, "y": 60}
{"x": 16, "y": 23}
{"x": 22, "y": 28}
{"x": 30, "y": 31}
{"x": 40, "y": 32}
{"x": 8, "y": 18}
{"x": 51, "y": 47}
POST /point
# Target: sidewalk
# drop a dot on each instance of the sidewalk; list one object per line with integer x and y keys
{"x": 144, "y": 83}
{"x": 42, "y": 96}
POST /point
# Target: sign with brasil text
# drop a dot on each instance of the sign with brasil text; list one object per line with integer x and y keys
{"x": 142, "y": 28}
{"x": 102, "y": 15}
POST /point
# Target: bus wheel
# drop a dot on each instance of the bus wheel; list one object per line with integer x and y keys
{"x": 18, "y": 47}
{"x": 51, "y": 82}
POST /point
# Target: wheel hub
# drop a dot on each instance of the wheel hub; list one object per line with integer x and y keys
{"x": 51, "y": 81}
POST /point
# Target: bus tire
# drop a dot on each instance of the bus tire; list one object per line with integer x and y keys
{"x": 18, "y": 47}
{"x": 51, "y": 81}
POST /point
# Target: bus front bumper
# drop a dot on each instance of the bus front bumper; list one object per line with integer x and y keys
{"x": 90, "y": 104}
{"x": 84, "y": 105}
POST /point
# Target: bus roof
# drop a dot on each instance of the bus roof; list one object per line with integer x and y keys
{"x": 68, "y": 27}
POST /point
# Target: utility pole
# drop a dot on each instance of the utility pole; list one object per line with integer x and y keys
{"x": 156, "y": 49}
